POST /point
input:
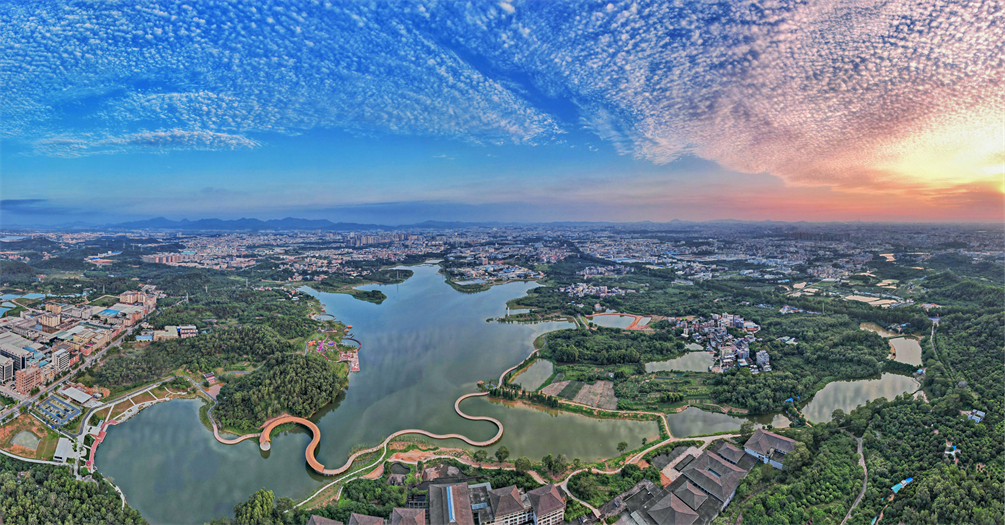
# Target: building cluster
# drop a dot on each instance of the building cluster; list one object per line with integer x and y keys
{"x": 198, "y": 260}
{"x": 604, "y": 271}
{"x": 731, "y": 350}
{"x": 531, "y": 252}
{"x": 584, "y": 289}
{"x": 479, "y": 504}
{"x": 488, "y": 273}
{"x": 43, "y": 343}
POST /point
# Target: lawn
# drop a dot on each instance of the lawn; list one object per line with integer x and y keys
{"x": 120, "y": 408}
{"x": 143, "y": 398}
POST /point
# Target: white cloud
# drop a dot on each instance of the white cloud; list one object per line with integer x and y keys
{"x": 846, "y": 93}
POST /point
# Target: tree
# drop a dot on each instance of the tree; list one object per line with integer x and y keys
{"x": 644, "y": 440}
{"x": 548, "y": 462}
{"x": 502, "y": 453}
{"x": 622, "y": 446}
{"x": 258, "y": 508}
{"x": 522, "y": 465}
{"x": 746, "y": 430}
{"x": 838, "y": 416}
{"x": 481, "y": 455}
{"x": 798, "y": 457}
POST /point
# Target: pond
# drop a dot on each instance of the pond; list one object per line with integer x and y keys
{"x": 689, "y": 362}
{"x": 535, "y": 375}
{"x": 908, "y": 350}
{"x": 423, "y": 347}
{"x": 694, "y": 422}
{"x": 873, "y": 327}
{"x": 613, "y": 321}
{"x": 847, "y": 395}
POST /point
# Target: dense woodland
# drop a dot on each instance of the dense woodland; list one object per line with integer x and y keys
{"x": 606, "y": 346}
{"x": 291, "y": 383}
{"x": 33, "y": 493}
{"x": 203, "y": 353}
{"x": 818, "y": 485}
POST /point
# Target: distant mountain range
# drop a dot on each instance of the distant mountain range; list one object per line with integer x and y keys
{"x": 289, "y": 223}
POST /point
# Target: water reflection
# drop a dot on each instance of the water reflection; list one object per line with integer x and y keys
{"x": 847, "y": 395}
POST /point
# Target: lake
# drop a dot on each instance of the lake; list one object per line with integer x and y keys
{"x": 423, "y": 347}
{"x": 847, "y": 395}
{"x": 908, "y": 350}
{"x": 689, "y": 362}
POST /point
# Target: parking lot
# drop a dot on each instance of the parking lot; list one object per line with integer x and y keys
{"x": 58, "y": 411}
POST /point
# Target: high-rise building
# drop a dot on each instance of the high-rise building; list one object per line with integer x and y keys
{"x": 61, "y": 359}
{"x": 6, "y": 369}
{"x": 19, "y": 355}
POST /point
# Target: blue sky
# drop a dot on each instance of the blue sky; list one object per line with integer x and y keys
{"x": 524, "y": 111}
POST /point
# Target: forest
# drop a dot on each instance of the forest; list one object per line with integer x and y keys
{"x": 138, "y": 365}
{"x": 243, "y": 306}
{"x": 605, "y": 346}
{"x": 33, "y": 493}
{"x": 291, "y": 383}
{"x": 818, "y": 485}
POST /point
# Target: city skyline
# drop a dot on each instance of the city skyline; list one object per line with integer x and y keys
{"x": 511, "y": 112}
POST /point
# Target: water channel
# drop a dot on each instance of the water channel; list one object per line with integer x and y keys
{"x": 424, "y": 346}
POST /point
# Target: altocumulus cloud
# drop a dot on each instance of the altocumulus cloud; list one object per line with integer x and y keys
{"x": 846, "y": 93}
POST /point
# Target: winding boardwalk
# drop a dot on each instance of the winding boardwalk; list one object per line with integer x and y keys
{"x": 265, "y": 438}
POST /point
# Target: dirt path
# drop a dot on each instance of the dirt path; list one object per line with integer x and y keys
{"x": 865, "y": 481}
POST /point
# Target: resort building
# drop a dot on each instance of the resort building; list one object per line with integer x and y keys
{"x": 450, "y": 505}
{"x": 318, "y": 520}
{"x": 769, "y": 447}
{"x": 706, "y": 484}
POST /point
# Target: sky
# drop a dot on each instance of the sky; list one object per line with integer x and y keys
{"x": 400, "y": 112}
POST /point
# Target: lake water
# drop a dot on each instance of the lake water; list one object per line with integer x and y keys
{"x": 690, "y": 362}
{"x": 7, "y": 296}
{"x": 847, "y": 395}
{"x": 613, "y": 321}
{"x": 423, "y": 347}
{"x": 535, "y": 375}
{"x": 908, "y": 350}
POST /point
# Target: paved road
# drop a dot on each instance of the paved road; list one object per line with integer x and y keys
{"x": 865, "y": 481}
